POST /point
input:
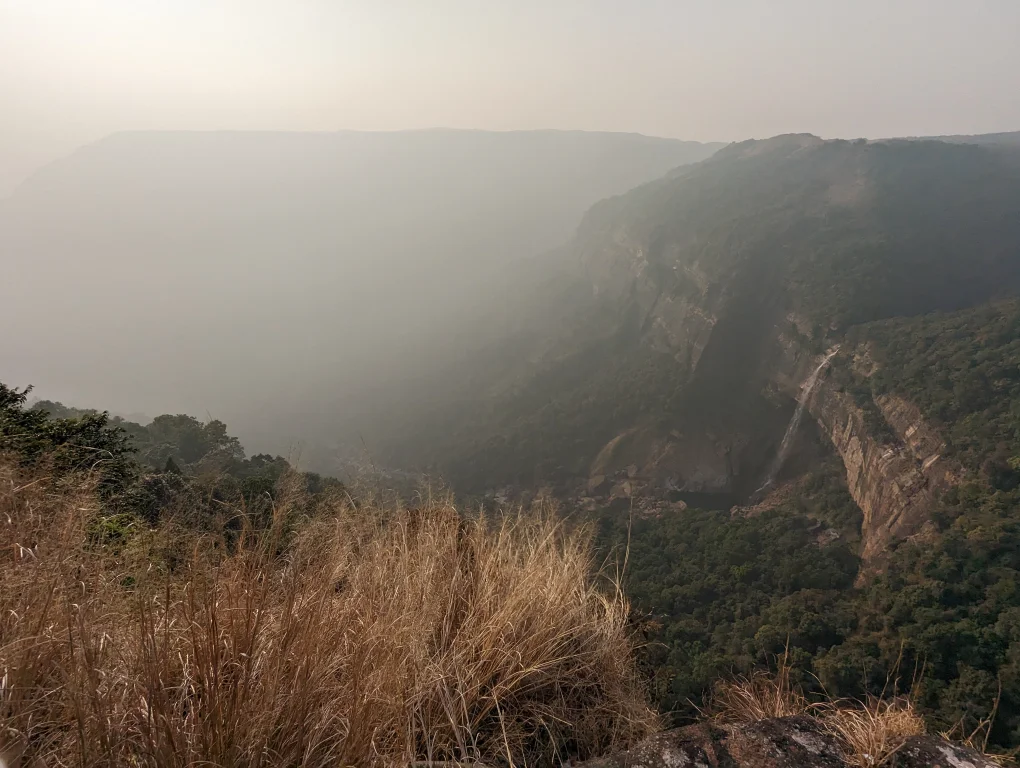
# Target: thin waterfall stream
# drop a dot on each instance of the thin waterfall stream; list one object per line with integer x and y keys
{"x": 784, "y": 447}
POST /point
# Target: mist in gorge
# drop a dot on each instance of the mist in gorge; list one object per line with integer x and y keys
{"x": 264, "y": 278}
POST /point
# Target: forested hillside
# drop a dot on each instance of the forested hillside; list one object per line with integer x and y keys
{"x": 727, "y": 592}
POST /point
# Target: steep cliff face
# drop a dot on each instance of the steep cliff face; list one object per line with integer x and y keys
{"x": 716, "y": 326}
{"x": 894, "y": 472}
{"x": 676, "y": 312}
{"x": 894, "y": 480}
{"x": 894, "y": 469}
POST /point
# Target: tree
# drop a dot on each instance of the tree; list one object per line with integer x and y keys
{"x": 86, "y": 443}
{"x": 188, "y": 441}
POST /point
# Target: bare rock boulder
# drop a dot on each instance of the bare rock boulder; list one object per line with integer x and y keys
{"x": 933, "y": 752}
{"x": 788, "y": 742}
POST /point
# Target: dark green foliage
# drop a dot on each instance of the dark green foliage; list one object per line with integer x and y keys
{"x": 175, "y": 466}
{"x": 86, "y": 443}
{"x": 158, "y": 493}
{"x": 944, "y": 616}
{"x": 948, "y": 605}
{"x": 726, "y": 593}
{"x": 723, "y": 595}
{"x": 167, "y": 441}
{"x": 963, "y": 371}
{"x": 188, "y": 441}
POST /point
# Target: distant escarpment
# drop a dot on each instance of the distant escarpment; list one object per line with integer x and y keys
{"x": 713, "y": 292}
{"x": 744, "y": 268}
{"x": 328, "y": 264}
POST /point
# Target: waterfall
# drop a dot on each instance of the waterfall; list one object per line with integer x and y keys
{"x": 805, "y": 394}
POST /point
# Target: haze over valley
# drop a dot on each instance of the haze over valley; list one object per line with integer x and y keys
{"x": 310, "y": 267}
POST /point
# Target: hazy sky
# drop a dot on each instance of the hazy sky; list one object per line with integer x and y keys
{"x": 72, "y": 71}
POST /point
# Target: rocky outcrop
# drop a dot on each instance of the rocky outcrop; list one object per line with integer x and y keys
{"x": 933, "y": 752}
{"x": 788, "y": 742}
{"x": 692, "y": 462}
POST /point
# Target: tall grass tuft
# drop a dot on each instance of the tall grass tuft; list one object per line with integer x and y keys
{"x": 758, "y": 696}
{"x": 870, "y": 732}
{"x": 873, "y": 731}
{"x": 362, "y": 636}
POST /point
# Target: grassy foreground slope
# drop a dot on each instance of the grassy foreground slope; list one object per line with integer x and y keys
{"x": 319, "y": 632}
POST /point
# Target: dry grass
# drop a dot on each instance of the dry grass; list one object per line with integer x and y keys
{"x": 759, "y": 696}
{"x": 376, "y": 638}
{"x": 977, "y": 737}
{"x": 870, "y": 732}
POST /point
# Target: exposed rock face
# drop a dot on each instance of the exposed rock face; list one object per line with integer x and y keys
{"x": 895, "y": 480}
{"x": 696, "y": 461}
{"x": 894, "y": 477}
{"x": 716, "y": 330}
{"x": 788, "y": 742}
{"x": 681, "y": 321}
{"x": 932, "y": 752}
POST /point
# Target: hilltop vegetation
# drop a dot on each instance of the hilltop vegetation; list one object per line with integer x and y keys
{"x": 844, "y": 232}
{"x": 174, "y": 466}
